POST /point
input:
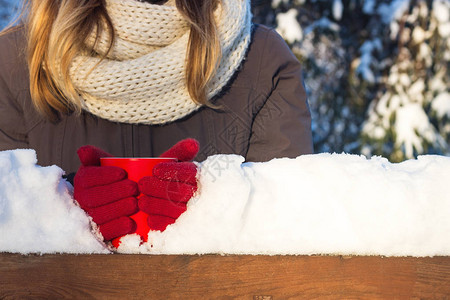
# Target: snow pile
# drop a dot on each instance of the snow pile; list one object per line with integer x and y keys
{"x": 37, "y": 213}
{"x": 314, "y": 204}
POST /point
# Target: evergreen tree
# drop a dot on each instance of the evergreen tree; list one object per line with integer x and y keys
{"x": 376, "y": 72}
{"x": 332, "y": 33}
{"x": 411, "y": 116}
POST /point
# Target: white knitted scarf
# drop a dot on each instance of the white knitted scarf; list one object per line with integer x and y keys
{"x": 143, "y": 78}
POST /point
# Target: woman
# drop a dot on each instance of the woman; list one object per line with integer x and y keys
{"x": 134, "y": 78}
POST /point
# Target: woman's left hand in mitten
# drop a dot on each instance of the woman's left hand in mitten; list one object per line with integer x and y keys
{"x": 166, "y": 193}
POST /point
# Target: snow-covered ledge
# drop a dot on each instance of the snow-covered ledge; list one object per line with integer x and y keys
{"x": 314, "y": 204}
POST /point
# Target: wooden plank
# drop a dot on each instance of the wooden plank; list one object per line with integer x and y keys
{"x": 222, "y": 277}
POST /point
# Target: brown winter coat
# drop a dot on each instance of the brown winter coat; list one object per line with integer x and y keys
{"x": 263, "y": 113}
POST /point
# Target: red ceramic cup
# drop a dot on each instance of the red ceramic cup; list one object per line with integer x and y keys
{"x": 136, "y": 169}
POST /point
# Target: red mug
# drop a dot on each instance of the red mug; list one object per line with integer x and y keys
{"x": 136, "y": 169}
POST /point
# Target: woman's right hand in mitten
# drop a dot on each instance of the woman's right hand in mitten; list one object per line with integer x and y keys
{"x": 105, "y": 194}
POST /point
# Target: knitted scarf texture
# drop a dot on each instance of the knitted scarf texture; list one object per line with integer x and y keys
{"x": 142, "y": 80}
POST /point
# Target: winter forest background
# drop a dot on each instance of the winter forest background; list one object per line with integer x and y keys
{"x": 376, "y": 72}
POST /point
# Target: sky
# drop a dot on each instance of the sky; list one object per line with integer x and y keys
{"x": 7, "y": 8}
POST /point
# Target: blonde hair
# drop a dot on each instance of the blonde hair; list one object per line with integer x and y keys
{"x": 57, "y": 31}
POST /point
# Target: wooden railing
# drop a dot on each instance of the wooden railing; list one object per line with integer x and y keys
{"x": 222, "y": 277}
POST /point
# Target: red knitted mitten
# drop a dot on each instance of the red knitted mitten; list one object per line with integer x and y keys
{"x": 166, "y": 193}
{"x": 105, "y": 193}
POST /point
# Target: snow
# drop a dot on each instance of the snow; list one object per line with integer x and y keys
{"x": 323, "y": 23}
{"x": 276, "y": 3}
{"x": 288, "y": 26}
{"x": 391, "y": 13}
{"x": 441, "y": 11}
{"x": 441, "y": 105}
{"x": 314, "y": 204}
{"x": 416, "y": 91}
{"x": 419, "y": 35}
{"x": 426, "y": 54}
{"x": 37, "y": 213}
{"x": 368, "y": 6}
{"x": 366, "y": 61}
{"x": 338, "y": 9}
{"x": 411, "y": 126}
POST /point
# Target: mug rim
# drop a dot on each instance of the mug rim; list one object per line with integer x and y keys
{"x": 138, "y": 158}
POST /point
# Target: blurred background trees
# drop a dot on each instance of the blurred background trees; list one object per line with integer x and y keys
{"x": 376, "y": 72}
